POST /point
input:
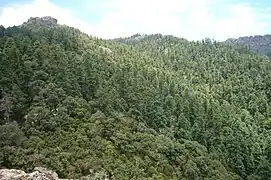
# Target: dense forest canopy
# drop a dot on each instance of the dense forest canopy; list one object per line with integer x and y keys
{"x": 145, "y": 107}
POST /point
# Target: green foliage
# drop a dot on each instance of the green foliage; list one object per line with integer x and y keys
{"x": 146, "y": 107}
{"x": 11, "y": 137}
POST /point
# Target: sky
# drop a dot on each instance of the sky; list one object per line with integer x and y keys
{"x": 190, "y": 19}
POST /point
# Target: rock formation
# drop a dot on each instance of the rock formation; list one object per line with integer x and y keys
{"x": 45, "y": 21}
{"x": 41, "y": 173}
{"x": 38, "y": 174}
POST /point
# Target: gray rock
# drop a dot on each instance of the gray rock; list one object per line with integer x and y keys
{"x": 45, "y": 174}
{"x": 38, "y": 174}
{"x": 11, "y": 174}
{"x": 41, "y": 173}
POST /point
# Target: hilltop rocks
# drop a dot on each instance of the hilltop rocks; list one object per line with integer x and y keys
{"x": 38, "y": 174}
{"x": 45, "y": 21}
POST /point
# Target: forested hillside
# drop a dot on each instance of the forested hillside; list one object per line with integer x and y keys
{"x": 151, "y": 107}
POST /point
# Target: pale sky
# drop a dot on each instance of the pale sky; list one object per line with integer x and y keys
{"x": 190, "y": 19}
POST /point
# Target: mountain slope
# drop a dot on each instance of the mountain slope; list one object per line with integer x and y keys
{"x": 260, "y": 44}
{"x": 159, "y": 108}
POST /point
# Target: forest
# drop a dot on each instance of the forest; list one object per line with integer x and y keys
{"x": 145, "y": 107}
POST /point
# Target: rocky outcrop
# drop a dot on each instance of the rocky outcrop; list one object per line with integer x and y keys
{"x": 45, "y": 21}
{"x": 8, "y": 174}
{"x": 38, "y": 174}
{"x": 105, "y": 49}
{"x": 41, "y": 173}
